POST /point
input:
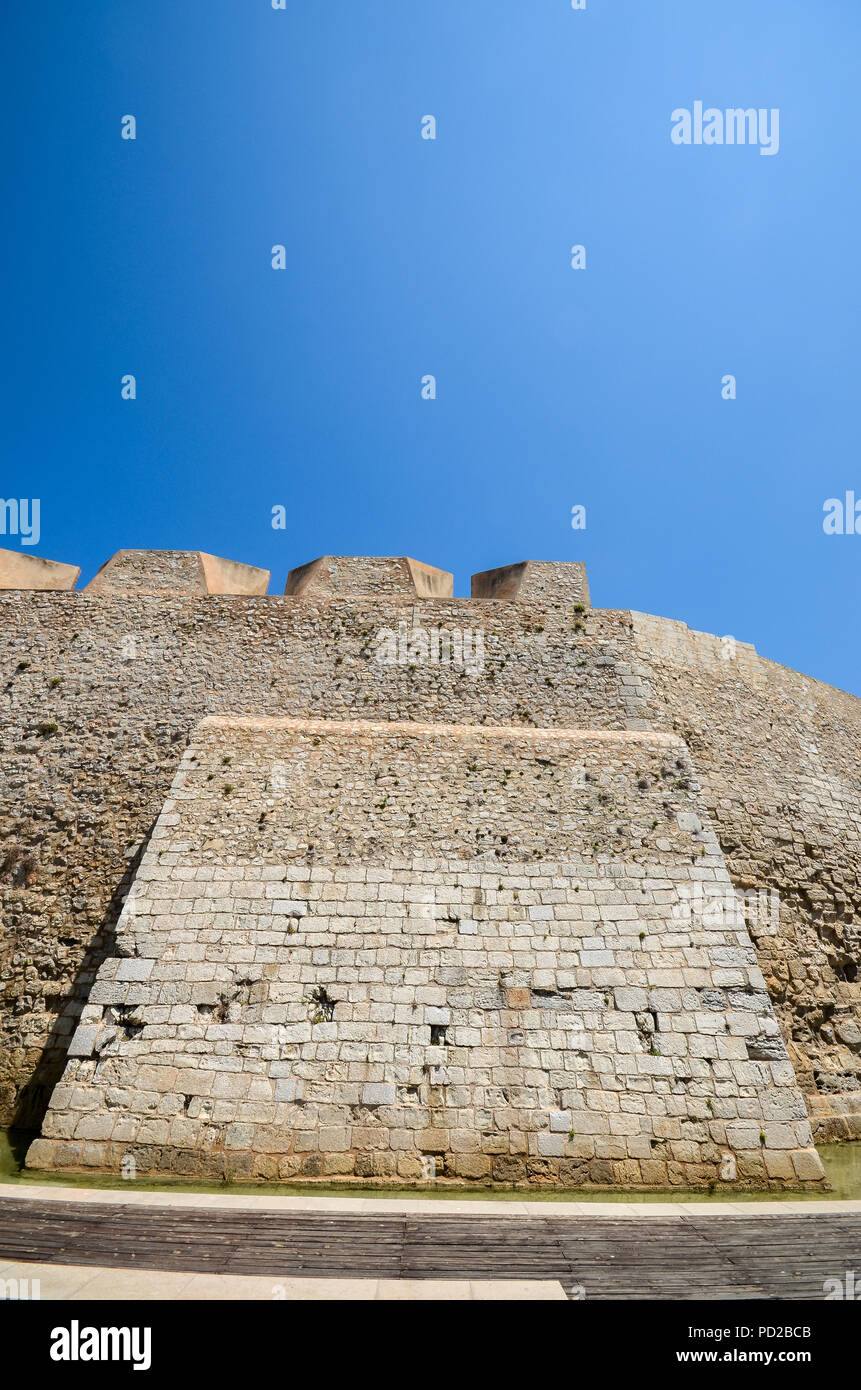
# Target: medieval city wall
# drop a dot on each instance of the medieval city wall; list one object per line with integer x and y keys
{"x": 779, "y": 757}
{"x": 408, "y": 952}
{"x": 102, "y": 690}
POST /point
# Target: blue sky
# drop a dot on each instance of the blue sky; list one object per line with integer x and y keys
{"x": 555, "y": 387}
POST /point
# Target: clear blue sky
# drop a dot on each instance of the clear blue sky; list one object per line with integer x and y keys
{"x": 404, "y": 257}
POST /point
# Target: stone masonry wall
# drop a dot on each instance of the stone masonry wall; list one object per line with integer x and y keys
{"x": 100, "y": 693}
{"x": 779, "y": 756}
{"x": 400, "y": 951}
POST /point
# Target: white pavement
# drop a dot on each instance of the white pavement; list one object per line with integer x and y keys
{"x": 420, "y": 1206}
{"x": 89, "y": 1282}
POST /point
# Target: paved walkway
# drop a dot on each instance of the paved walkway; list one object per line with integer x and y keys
{"x": 91, "y": 1283}
{"x": 671, "y": 1252}
{"x": 421, "y": 1205}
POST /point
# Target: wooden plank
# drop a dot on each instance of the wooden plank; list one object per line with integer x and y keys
{"x": 614, "y": 1258}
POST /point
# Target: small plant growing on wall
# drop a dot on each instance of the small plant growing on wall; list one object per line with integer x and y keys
{"x": 322, "y": 1007}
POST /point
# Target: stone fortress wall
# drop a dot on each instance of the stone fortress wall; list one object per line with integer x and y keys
{"x": 779, "y": 757}
{"x": 103, "y": 688}
{"x": 396, "y": 951}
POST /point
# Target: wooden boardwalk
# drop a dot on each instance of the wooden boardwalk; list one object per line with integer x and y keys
{"x": 690, "y": 1257}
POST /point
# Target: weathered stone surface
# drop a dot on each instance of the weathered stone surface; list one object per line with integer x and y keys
{"x": 530, "y": 581}
{"x": 396, "y": 1029}
{"x": 18, "y": 570}
{"x": 289, "y": 1090}
{"x": 83, "y": 1042}
{"x": 378, "y": 1093}
{"x": 134, "y": 970}
{"x": 176, "y": 572}
{"x": 365, "y": 575}
{"x": 835, "y": 1117}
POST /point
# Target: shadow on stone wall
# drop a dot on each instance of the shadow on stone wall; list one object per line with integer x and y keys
{"x": 32, "y": 1101}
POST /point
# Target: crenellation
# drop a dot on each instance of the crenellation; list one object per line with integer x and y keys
{"x": 18, "y": 570}
{"x": 368, "y": 576}
{"x": 558, "y": 582}
{"x": 176, "y": 571}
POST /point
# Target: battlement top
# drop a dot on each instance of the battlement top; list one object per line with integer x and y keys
{"x": 18, "y": 570}
{"x": 176, "y": 571}
{"x": 368, "y": 575}
{"x": 542, "y": 580}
